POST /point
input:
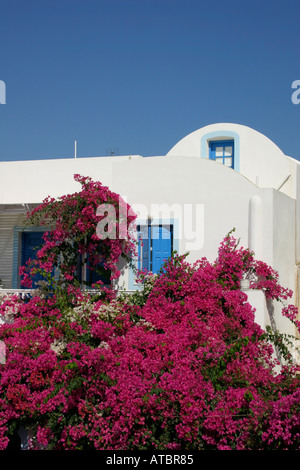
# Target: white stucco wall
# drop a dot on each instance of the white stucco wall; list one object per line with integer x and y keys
{"x": 31, "y": 182}
{"x": 279, "y": 249}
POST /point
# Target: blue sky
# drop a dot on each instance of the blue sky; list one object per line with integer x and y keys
{"x": 139, "y": 75}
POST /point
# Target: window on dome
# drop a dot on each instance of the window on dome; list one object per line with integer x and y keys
{"x": 222, "y": 152}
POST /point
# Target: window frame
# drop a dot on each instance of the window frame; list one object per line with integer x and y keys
{"x": 222, "y": 143}
{"x": 17, "y": 251}
{"x": 132, "y": 279}
{"x": 149, "y": 229}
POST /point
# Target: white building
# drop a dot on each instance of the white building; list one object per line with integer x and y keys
{"x": 220, "y": 177}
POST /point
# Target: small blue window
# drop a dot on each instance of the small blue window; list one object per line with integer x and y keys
{"x": 92, "y": 276}
{"x": 155, "y": 245}
{"x": 222, "y": 151}
{"x": 31, "y": 242}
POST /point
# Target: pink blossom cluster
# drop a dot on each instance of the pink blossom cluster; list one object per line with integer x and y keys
{"x": 183, "y": 367}
{"x": 72, "y": 222}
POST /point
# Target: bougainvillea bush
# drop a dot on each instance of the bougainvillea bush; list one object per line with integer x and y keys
{"x": 179, "y": 365}
{"x": 72, "y": 239}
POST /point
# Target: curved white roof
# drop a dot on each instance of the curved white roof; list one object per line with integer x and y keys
{"x": 256, "y": 157}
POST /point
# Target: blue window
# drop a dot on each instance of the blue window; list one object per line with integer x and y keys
{"x": 91, "y": 276}
{"x": 31, "y": 242}
{"x": 155, "y": 245}
{"x": 222, "y": 151}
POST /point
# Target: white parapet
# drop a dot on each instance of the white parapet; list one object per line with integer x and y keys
{"x": 257, "y": 300}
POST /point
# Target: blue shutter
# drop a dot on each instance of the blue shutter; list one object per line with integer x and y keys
{"x": 144, "y": 248}
{"x": 161, "y": 246}
{"x": 31, "y": 242}
{"x": 154, "y": 246}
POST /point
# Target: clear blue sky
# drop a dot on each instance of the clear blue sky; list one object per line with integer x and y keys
{"x": 139, "y": 75}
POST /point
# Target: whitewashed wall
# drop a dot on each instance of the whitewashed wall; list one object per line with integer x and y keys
{"x": 32, "y": 181}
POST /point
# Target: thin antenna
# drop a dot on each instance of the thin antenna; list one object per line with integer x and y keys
{"x": 75, "y": 149}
